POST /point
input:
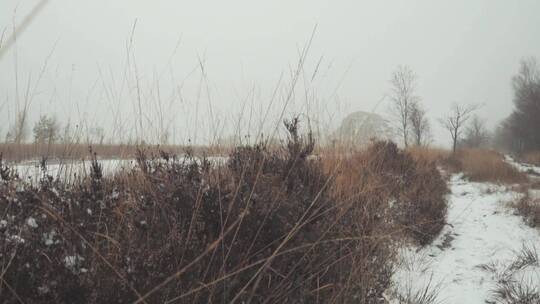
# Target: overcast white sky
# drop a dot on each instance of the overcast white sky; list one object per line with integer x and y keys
{"x": 462, "y": 51}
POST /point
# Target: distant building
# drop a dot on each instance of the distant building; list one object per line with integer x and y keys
{"x": 359, "y": 128}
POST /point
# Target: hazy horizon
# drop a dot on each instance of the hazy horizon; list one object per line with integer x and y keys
{"x": 463, "y": 51}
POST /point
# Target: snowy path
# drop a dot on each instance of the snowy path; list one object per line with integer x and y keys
{"x": 532, "y": 170}
{"x": 481, "y": 231}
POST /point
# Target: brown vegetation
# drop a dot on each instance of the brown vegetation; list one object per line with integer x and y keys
{"x": 484, "y": 166}
{"x": 529, "y": 208}
{"x": 532, "y": 157}
{"x": 268, "y": 227}
{"x": 413, "y": 186}
{"x": 430, "y": 154}
{"x": 21, "y": 152}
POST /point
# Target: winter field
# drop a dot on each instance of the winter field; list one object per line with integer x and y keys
{"x": 269, "y": 152}
{"x": 486, "y": 251}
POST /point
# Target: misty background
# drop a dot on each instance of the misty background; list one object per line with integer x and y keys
{"x": 206, "y": 69}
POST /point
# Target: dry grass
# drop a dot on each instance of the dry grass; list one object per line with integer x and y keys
{"x": 485, "y": 166}
{"x": 430, "y": 154}
{"x": 532, "y": 158}
{"x": 411, "y": 187}
{"x": 21, "y": 152}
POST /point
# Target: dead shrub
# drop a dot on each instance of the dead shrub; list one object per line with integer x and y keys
{"x": 417, "y": 187}
{"x": 425, "y": 205}
{"x": 268, "y": 227}
{"x": 529, "y": 208}
{"x": 413, "y": 192}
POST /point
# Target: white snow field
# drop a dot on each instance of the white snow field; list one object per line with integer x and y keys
{"x": 65, "y": 170}
{"x": 481, "y": 240}
{"x": 68, "y": 169}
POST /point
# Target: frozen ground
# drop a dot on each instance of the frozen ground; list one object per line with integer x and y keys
{"x": 68, "y": 169}
{"x": 32, "y": 171}
{"x": 527, "y": 168}
{"x": 481, "y": 241}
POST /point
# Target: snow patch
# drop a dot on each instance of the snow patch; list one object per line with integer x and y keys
{"x": 17, "y": 239}
{"x": 72, "y": 262}
{"x": 522, "y": 167}
{"x": 49, "y": 238}
{"x": 31, "y": 222}
{"x": 115, "y": 194}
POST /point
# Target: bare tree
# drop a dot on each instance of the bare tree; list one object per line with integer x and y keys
{"x": 403, "y": 95}
{"x": 476, "y": 133}
{"x": 456, "y": 119}
{"x": 419, "y": 124}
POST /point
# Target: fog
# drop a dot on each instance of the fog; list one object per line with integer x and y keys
{"x": 193, "y": 68}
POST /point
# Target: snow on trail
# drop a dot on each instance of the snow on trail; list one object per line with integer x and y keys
{"x": 527, "y": 168}
{"x": 481, "y": 230}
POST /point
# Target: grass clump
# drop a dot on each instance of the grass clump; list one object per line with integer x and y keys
{"x": 428, "y": 294}
{"x": 517, "y": 282}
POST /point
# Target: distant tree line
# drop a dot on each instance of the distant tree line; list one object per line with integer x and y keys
{"x": 48, "y": 130}
{"x": 520, "y": 132}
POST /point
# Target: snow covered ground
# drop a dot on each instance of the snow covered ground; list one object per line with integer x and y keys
{"x": 475, "y": 250}
{"x": 527, "y": 168}
{"x": 31, "y": 170}
{"x": 67, "y": 169}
